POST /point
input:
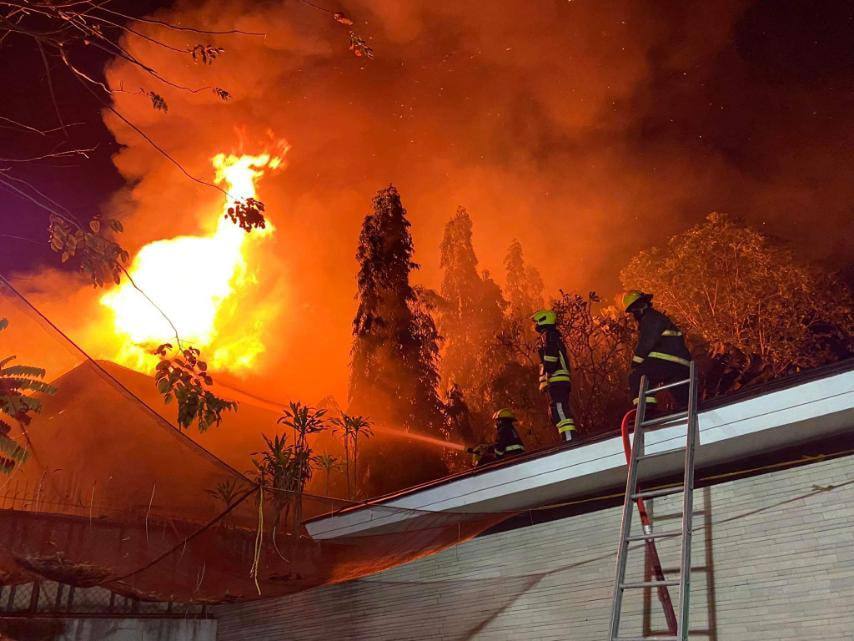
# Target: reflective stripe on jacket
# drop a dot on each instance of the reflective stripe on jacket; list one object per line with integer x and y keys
{"x": 508, "y": 441}
{"x": 658, "y": 337}
{"x": 555, "y": 364}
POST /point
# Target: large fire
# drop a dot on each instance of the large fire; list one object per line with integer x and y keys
{"x": 197, "y": 282}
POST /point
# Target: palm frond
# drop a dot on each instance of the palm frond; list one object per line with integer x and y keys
{"x": 22, "y": 370}
{"x": 12, "y": 449}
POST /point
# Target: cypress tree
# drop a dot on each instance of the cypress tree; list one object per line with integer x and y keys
{"x": 394, "y": 369}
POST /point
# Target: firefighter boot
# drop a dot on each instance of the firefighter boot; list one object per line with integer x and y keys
{"x": 565, "y": 428}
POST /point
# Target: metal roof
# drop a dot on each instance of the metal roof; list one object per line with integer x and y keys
{"x": 782, "y": 413}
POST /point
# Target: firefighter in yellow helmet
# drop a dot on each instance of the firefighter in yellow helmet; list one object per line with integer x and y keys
{"x": 507, "y": 440}
{"x": 554, "y": 372}
{"x": 660, "y": 354}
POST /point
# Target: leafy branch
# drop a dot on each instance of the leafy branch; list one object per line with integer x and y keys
{"x": 247, "y": 213}
{"x": 99, "y": 256}
{"x": 184, "y": 378}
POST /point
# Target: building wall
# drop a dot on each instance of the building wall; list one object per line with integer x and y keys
{"x": 104, "y": 629}
{"x": 773, "y": 559}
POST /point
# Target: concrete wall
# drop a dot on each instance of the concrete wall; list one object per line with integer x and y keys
{"x": 139, "y": 630}
{"x": 96, "y": 629}
{"x": 773, "y": 560}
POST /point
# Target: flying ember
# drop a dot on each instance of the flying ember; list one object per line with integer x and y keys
{"x": 197, "y": 282}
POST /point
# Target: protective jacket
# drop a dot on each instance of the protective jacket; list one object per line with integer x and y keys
{"x": 554, "y": 365}
{"x": 508, "y": 442}
{"x": 659, "y": 338}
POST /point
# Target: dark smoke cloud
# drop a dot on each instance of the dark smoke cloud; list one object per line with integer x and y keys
{"x": 588, "y": 129}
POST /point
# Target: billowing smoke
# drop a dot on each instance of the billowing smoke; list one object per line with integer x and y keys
{"x": 586, "y": 129}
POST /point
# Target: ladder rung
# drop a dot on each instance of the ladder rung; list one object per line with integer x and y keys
{"x": 659, "y": 638}
{"x": 651, "y": 584}
{"x": 649, "y": 494}
{"x": 642, "y": 457}
{"x": 666, "y": 534}
{"x": 665, "y": 419}
{"x": 668, "y": 386}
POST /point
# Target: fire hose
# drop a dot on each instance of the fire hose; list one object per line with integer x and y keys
{"x": 646, "y": 522}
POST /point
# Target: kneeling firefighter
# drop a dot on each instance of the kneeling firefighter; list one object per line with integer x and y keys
{"x": 507, "y": 441}
{"x": 554, "y": 372}
{"x": 661, "y": 353}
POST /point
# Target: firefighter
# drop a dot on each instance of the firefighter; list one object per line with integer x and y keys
{"x": 661, "y": 353}
{"x": 554, "y": 372}
{"x": 507, "y": 440}
{"x": 482, "y": 454}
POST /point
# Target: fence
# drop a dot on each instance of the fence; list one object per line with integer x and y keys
{"x": 52, "y": 598}
{"x": 49, "y": 598}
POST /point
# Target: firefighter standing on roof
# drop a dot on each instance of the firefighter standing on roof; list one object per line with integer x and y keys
{"x": 660, "y": 354}
{"x": 554, "y": 372}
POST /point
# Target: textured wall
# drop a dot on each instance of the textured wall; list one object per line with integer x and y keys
{"x": 98, "y": 629}
{"x": 139, "y": 630}
{"x": 773, "y": 560}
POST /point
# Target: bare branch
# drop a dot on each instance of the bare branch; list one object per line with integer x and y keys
{"x": 42, "y": 132}
{"x": 154, "y": 144}
{"x": 50, "y": 87}
{"x": 84, "y": 153}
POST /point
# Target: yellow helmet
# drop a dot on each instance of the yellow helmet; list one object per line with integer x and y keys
{"x": 544, "y": 318}
{"x": 632, "y": 296}
{"x": 502, "y": 414}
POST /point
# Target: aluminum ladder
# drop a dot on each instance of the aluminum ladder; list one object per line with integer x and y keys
{"x": 638, "y": 456}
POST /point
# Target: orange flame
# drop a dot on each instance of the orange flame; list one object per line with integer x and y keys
{"x": 195, "y": 281}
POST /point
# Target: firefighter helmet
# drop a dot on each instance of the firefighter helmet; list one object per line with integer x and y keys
{"x": 544, "y": 318}
{"x": 504, "y": 414}
{"x": 633, "y": 296}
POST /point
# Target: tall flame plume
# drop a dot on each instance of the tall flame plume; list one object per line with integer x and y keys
{"x": 197, "y": 282}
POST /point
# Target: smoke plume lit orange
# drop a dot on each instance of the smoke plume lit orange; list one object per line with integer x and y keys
{"x": 586, "y": 130}
{"x": 196, "y": 281}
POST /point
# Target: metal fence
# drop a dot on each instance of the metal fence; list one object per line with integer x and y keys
{"x": 49, "y": 598}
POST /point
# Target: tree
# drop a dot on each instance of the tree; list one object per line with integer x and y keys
{"x": 514, "y": 380}
{"x": 471, "y": 316}
{"x": 352, "y": 427}
{"x": 328, "y": 464}
{"x": 599, "y": 344}
{"x": 304, "y": 421}
{"x": 459, "y": 414}
{"x": 394, "y": 369}
{"x": 757, "y": 311}
{"x": 277, "y": 475}
{"x": 17, "y": 384}
{"x": 524, "y": 285}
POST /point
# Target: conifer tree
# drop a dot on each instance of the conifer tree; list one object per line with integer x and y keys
{"x": 524, "y": 284}
{"x": 471, "y": 310}
{"x": 394, "y": 369}
{"x": 515, "y": 383}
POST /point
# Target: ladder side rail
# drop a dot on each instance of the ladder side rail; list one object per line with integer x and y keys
{"x": 626, "y": 523}
{"x": 688, "y": 506}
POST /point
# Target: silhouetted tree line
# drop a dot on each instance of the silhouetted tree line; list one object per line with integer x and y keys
{"x": 440, "y": 363}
